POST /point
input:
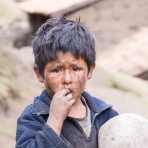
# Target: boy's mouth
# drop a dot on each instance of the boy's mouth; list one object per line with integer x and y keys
{"x": 69, "y": 91}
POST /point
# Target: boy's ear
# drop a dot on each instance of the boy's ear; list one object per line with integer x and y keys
{"x": 91, "y": 71}
{"x": 37, "y": 73}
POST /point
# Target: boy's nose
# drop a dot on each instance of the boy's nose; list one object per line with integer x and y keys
{"x": 67, "y": 77}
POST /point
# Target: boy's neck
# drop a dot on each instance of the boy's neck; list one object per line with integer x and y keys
{"x": 78, "y": 110}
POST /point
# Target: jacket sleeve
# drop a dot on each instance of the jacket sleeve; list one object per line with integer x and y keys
{"x": 32, "y": 132}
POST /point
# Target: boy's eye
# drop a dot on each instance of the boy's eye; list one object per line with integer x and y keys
{"x": 76, "y": 68}
{"x": 56, "y": 70}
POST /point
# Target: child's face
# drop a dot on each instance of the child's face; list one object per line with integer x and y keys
{"x": 67, "y": 72}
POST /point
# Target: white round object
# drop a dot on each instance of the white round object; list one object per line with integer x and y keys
{"x": 124, "y": 131}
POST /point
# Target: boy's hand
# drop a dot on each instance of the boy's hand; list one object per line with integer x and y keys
{"x": 59, "y": 109}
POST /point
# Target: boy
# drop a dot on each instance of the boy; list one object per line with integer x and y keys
{"x": 64, "y": 115}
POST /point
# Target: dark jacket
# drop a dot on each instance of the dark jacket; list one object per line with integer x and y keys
{"x": 33, "y": 132}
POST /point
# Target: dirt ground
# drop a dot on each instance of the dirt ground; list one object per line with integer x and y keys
{"x": 111, "y": 21}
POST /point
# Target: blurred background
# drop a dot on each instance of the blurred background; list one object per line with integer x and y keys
{"x": 120, "y": 28}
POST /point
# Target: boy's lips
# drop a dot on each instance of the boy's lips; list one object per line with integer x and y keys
{"x": 70, "y": 91}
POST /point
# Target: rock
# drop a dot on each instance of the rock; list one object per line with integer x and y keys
{"x": 13, "y": 24}
{"x": 47, "y": 7}
{"x": 129, "y": 56}
{"x": 13, "y": 74}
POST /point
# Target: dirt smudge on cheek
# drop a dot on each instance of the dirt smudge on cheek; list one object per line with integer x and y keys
{"x": 80, "y": 80}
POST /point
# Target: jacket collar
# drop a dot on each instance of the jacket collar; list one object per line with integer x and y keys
{"x": 95, "y": 104}
{"x": 42, "y": 103}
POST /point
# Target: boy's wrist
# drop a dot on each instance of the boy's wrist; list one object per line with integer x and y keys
{"x": 55, "y": 124}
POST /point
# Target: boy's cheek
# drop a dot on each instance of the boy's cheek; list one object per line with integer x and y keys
{"x": 79, "y": 89}
{"x": 52, "y": 91}
{"x": 82, "y": 81}
{"x": 57, "y": 89}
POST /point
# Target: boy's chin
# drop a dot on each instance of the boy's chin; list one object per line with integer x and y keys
{"x": 50, "y": 93}
{"x": 77, "y": 97}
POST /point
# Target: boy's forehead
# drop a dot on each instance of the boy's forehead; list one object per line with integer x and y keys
{"x": 62, "y": 57}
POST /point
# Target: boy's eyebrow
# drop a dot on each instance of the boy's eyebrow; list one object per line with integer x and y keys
{"x": 54, "y": 65}
{"x": 75, "y": 64}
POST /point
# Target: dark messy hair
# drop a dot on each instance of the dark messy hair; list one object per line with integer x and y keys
{"x": 61, "y": 34}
